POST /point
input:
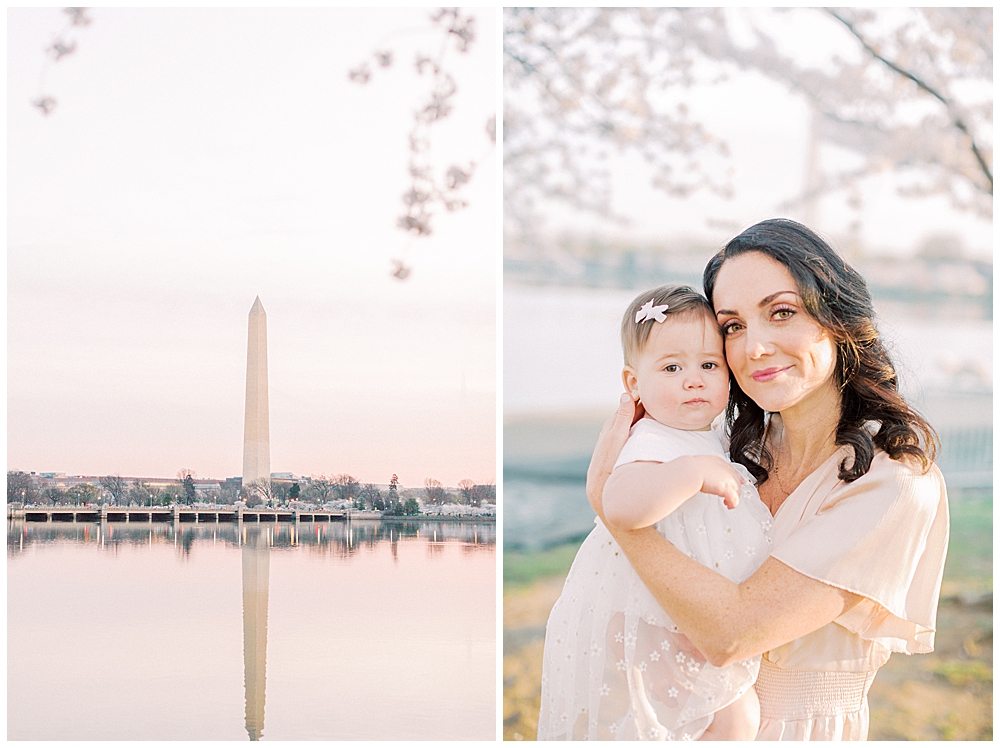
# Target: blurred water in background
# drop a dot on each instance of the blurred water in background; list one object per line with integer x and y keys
{"x": 562, "y": 364}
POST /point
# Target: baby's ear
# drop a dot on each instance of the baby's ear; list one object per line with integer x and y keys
{"x": 631, "y": 382}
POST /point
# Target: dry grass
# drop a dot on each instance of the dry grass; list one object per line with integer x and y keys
{"x": 946, "y": 695}
{"x": 525, "y": 610}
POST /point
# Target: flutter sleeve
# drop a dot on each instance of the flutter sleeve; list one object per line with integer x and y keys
{"x": 884, "y": 537}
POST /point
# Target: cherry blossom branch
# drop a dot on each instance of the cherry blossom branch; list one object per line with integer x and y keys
{"x": 60, "y": 47}
{"x": 923, "y": 85}
{"x": 430, "y": 189}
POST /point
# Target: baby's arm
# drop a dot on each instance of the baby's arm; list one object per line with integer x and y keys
{"x": 639, "y": 494}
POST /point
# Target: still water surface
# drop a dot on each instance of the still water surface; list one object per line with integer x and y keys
{"x": 367, "y": 630}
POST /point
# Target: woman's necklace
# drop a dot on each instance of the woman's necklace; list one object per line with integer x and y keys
{"x": 776, "y": 469}
{"x": 777, "y": 475}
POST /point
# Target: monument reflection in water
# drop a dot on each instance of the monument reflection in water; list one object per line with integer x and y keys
{"x": 256, "y": 556}
{"x": 378, "y": 630}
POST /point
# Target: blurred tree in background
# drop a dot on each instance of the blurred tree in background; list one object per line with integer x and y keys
{"x": 115, "y": 487}
{"x": 21, "y": 487}
{"x": 140, "y": 493}
{"x": 54, "y": 496}
{"x": 346, "y": 488}
{"x": 908, "y": 90}
{"x": 434, "y": 491}
{"x": 186, "y": 477}
{"x": 320, "y": 489}
{"x": 370, "y": 496}
{"x": 83, "y": 493}
{"x": 393, "y": 490}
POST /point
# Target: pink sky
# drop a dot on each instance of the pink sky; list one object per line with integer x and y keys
{"x": 166, "y": 191}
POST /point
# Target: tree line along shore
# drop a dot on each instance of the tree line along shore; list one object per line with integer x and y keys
{"x": 341, "y": 492}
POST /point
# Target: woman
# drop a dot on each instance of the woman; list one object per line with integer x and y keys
{"x": 846, "y": 469}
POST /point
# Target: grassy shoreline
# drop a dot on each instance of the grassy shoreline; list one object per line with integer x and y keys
{"x": 944, "y": 695}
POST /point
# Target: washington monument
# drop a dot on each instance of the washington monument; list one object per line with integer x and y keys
{"x": 256, "y": 440}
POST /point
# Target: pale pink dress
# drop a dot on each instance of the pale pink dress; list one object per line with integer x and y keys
{"x": 883, "y": 537}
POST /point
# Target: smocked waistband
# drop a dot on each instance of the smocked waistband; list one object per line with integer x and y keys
{"x": 800, "y": 694}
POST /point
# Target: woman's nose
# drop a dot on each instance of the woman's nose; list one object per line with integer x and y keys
{"x": 756, "y": 343}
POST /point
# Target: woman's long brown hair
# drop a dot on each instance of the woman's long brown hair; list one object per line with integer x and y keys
{"x": 836, "y": 296}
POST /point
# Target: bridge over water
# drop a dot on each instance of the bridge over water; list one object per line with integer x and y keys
{"x": 169, "y": 514}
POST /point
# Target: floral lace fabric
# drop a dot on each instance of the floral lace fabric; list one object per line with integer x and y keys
{"x": 615, "y": 665}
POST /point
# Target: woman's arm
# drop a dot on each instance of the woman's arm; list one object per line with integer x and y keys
{"x": 726, "y": 621}
{"x": 729, "y": 622}
{"x": 640, "y": 494}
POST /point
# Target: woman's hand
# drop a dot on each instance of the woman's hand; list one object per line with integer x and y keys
{"x": 613, "y": 436}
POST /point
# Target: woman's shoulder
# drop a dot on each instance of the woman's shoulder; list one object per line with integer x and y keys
{"x": 904, "y": 480}
{"x": 905, "y": 469}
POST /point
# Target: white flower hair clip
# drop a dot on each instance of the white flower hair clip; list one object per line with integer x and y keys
{"x": 649, "y": 311}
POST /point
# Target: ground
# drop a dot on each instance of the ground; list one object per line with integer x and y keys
{"x": 945, "y": 695}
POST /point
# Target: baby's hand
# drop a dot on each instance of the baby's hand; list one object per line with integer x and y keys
{"x": 719, "y": 477}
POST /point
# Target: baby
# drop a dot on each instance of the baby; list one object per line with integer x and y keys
{"x": 615, "y": 665}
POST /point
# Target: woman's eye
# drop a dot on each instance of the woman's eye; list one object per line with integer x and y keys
{"x": 731, "y": 327}
{"x": 783, "y": 313}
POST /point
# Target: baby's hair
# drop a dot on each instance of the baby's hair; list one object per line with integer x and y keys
{"x": 682, "y": 300}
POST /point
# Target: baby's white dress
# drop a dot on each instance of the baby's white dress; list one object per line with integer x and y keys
{"x": 615, "y": 665}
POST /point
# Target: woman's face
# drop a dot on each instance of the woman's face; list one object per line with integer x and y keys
{"x": 781, "y": 357}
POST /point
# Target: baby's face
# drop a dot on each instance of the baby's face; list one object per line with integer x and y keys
{"x": 681, "y": 376}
